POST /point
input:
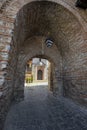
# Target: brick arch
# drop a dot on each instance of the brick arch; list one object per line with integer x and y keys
{"x": 43, "y": 56}
{"x": 71, "y": 49}
{"x": 70, "y": 6}
{"x": 51, "y": 55}
{"x": 69, "y": 79}
{"x": 51, "y": 78}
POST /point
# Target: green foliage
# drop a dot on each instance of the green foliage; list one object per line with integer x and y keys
{"x": 29, "y": 79}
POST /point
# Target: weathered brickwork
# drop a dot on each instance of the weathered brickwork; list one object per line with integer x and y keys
{"x": 64, "y": 30}
{"x": 65, "y": 24}
{"x": 7, "y": 52}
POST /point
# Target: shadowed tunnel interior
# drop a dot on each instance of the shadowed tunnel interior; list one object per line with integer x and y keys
{"x": 37, "y": 21}
{"x": 33, "y": 24}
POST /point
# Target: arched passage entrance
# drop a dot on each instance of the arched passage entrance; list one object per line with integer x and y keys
{"x": 37, "y": 69}
{"x": 37, "y": 52}
{"x": 34, "y": 24}
{"x": 45, "y": 77}
{"x": 51, "y": 24}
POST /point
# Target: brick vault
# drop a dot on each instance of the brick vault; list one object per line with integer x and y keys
{"x": 24, "y": 27}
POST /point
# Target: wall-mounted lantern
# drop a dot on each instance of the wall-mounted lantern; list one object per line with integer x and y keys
{"x": 49, "y": 42}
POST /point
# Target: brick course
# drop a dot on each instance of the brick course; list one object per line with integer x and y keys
{"x": 35, "y": 21}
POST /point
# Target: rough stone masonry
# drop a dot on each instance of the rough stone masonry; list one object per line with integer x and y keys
{"x": 24, "y": 26}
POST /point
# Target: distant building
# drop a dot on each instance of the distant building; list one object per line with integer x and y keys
{"x": 37, "y": 70}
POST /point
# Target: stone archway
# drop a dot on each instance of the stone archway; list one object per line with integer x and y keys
{"x": 63, "y": 29}
{"x": 11, "y": 8}
{"x": 51, "y": 54}
{"x": 61, "y": 37}
{"x": 69, "y": 48}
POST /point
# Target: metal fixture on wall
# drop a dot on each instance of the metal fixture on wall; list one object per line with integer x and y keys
{"x": 49, "y": 42}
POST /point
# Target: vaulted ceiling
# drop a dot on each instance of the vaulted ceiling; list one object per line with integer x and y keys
{"x": 50, "y": 20}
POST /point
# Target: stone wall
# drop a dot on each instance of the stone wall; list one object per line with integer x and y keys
{"x": 8, "y": 56}
{"x": 75, "y": 70}
{"x": 67, "y": 27}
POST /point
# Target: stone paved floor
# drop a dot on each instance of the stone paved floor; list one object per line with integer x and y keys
{"x": 41, "y": 111}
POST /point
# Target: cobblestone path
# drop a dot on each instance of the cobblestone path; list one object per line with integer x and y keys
{"x": 42, "y": 111}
